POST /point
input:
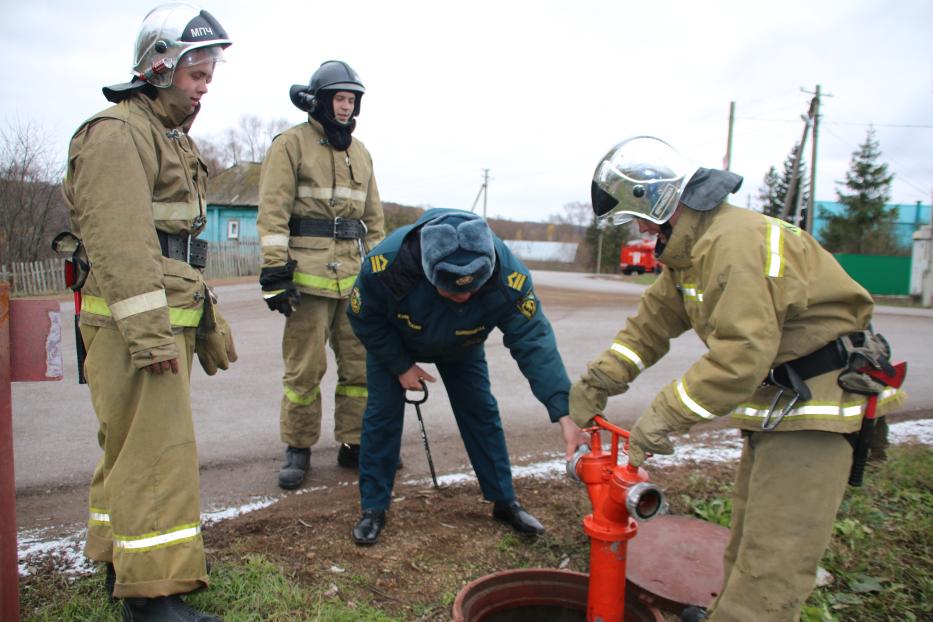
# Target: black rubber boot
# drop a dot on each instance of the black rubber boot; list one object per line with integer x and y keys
{"x": 349, "y": 456}
{"x": 163, "y": 609}
{"x": 693, "y": 614}
{"x": 110, "y": 581}
{"x": 295, "y": 468}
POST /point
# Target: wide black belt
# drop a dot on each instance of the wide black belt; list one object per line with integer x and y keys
{"x": 828, "y": 358}
{"x": 183, "y": 247}
{"x": 339, "y": 228}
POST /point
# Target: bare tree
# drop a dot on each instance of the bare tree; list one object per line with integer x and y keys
{"x": 576, "y": 213}
{"x": 32, "y": 209}
{"x": 247, "y": 142}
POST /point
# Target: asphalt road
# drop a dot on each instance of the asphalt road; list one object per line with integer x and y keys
{"x": 236, "y": 412}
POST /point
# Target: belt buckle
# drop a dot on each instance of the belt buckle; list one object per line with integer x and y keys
{"x": 336, "y": 224}
{"x": 188, "y": 249}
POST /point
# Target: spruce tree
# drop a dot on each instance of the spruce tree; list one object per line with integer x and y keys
{"x": 866, "y": 225}
{"x": 769, "y": 197}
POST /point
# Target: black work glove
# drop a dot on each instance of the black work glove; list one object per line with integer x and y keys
{"x": 278, "y": 289}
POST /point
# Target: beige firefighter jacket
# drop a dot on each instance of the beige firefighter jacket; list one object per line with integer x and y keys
{"x": 758, "y": 292}
{"x": 303, "y": 176}
{"x": 132, "y": 169}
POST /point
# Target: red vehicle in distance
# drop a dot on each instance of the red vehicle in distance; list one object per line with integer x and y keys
{"x": 638, "y": 257}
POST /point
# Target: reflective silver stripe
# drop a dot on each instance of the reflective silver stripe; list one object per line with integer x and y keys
{"x": 629, "y": 355}
{"x": 775, "y": 250}
{"x": 100, "y": 517}
{"x": 161, "y": 539}
{"x": 138, "y": 304}
{"x": 325, "y": 194}
{"x": 690, "y": 403}
{"x": 175, "y": 210}
{"x": 274, "y": 239}
{"x": 691, "y": 292}
{"x": 807, "y": 410}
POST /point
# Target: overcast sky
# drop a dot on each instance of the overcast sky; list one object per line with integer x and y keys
{"x": 535, "y": 91}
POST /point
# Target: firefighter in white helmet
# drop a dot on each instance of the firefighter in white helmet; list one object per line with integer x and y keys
{"x": 136, "y": 191}
{"x": 783, "y": 324}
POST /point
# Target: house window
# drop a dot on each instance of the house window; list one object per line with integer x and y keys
{"x": 233, "y": 229}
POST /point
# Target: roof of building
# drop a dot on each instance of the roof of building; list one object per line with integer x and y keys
{"x": 237, "y": 185}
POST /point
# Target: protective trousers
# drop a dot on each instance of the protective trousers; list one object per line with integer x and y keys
{"x": 788, "y": 489}
{"x": 145, "y": 500}
{"x": 475, "y": 410}
{"x": 315, "y": 322}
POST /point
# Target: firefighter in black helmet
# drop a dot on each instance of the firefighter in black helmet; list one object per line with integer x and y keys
{"x": 319, "y": 212}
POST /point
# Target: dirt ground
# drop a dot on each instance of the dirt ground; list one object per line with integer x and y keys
{"x": 435, "y": 541}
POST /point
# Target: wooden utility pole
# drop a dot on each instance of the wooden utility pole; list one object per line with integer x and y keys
{"x": 483, "y": 190}
{"x": 727, "y": 161}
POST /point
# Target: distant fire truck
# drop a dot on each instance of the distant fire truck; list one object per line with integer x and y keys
{"x": 638, "y": 256}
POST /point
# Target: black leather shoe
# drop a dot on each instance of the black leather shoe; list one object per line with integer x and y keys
{"x": 515, "y": 516}
{"x": 162, "y": 609}
{"x": 693, "y": 614}
{"x": 295, "y": 468}
{"x": 367, "y": 529}
{"x": 349, "y": 456}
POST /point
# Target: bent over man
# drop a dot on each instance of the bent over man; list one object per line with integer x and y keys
{"x": 319, "y": 212}
{"x": 136, "y": 190}
{"x": 787, "y": 331}
{"x": 433, "y": 292}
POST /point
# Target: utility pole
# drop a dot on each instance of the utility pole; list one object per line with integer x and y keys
{"x": 727, "y": 161}
{"x": 815, "y": 109}
{"x": 483, "y": 190}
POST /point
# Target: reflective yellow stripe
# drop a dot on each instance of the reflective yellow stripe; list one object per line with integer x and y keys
{"x": 814, "y": 410}
{"x": 351, "y": 391}
{"x": 158, "y": 539}
{"x": 320, "y": 282}
{"x": 325, "y": 194}
{"x": 691, "y": 292}
{"x": 176, "y": 316}
{"x": 96, "y": 516}
{"x": 175, "y": 210}
{"x": 275, "y": 239}
{"x": 139, "y": 304}
{"x": 774, "y": 257}
{"x": 302, "y": 400}
{"x": 690, "y": 403}
{"x": 407, "y": 318}
{"x": 628, "y": 354}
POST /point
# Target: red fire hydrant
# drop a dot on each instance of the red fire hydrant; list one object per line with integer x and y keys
{"x": 620, "y": 496}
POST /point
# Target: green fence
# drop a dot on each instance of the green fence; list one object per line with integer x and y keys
{"x": 880, "y": 274}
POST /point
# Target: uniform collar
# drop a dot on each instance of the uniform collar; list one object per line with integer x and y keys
{"x": 171, "y": 107}
{"x": 679, "y": 249}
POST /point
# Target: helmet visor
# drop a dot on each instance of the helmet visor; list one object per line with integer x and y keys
{"x": 199, "y": 56}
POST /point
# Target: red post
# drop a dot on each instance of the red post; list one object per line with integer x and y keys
{"x": 9, "y": 570}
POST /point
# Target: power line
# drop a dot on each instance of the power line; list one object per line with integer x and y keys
{"x": 895, "y": 125}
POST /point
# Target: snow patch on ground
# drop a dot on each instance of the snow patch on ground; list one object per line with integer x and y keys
{"x": 714, "y": 446}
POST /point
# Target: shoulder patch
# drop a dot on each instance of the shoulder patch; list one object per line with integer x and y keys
{"x": 516, "y": 280}
{"x": 356, "y": 303}
{"x": 528, "y": 305}
{"x": 378, "y": 262}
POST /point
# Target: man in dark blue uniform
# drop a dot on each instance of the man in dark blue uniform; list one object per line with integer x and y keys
{"x": 432, "y": 292}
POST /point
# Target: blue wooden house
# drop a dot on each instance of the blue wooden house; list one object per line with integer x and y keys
{"x": 233, "y": 204}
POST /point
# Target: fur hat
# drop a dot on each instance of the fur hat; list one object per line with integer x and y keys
{"x": 457, "y": 252}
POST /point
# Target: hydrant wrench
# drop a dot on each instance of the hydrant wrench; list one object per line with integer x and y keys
{"x": 424, "y": 434}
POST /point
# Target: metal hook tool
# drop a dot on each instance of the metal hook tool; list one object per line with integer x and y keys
{"x": 424, "y": 434}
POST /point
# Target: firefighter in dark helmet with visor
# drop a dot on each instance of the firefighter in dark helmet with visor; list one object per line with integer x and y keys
{"x": 319, "y": 212}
